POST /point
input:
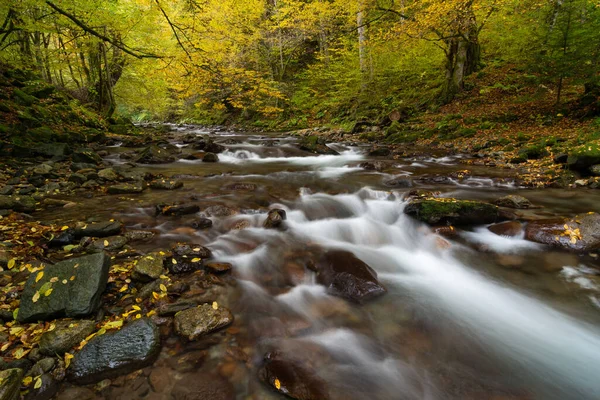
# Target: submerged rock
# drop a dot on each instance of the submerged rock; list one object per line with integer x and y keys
{"x": 10, "y": 383}
{"x": 165, "y": 184}
{"x": 275, "y": 218}
{"x": 126, "y": 188}
{"x": 399, "y": 182}
{"x": 508, "y": 228}
{"x": 452, "y": 211}
{"x": 513, "y": 201}
{"x": 204, "y": 319}
{"x": 199, "y": 223}
{"x": 154, "y": 155}
{"x": 203, "y": 386}
{"x": 133, "y": 347}
{"x": 98, "y": 229}
{"x": 70, "y": 288}
{"x": 292, "y": 378}
{"x": 149, "y": 267}
{"x": 580, "y": 234}
{"x": 347, "y": 276}
{"x": 65, "y": 336}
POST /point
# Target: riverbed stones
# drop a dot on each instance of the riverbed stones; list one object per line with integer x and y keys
{"x": 578, "y": 234}
{"x": 186, "y": 258}
{"x": 176, "y": 209}
{"x": 98, "y": 229}
{"x": 348, "y": 277}
{"x": 166, "y": 184}
{"x": 292, "y": 378}
{"x": 275, "y": 218}
{"x": 149, "y": 267}
{"x": 210, "y": 158}
{"x": 154, "y": 155}
{"x": 452, "y": 212}
{"x": 507, "y": 228}
{"x": 133, "y": 347}
{"x": 86, "y": 156}
{"x": 70, "y": 288}
{"x": 202, "y": 320}
{"x": 399, "y": 182}
{"x": 65, "y": 336}
{"x": 218, "y": 267}
{"x": 108, "y": 174}
{"x": 110, "y": 243}
{"x": 18, "y": 203}
{"x": 513, "y": 201}
{"x": 203, "y": 386}
{"x": 10, "y": 383}
{"x": 199, "y": 223}
{"x": 126, "y": 188}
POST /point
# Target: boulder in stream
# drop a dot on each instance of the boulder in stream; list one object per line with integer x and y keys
{"x": 453, "y": 212}
{"x": 10, "y": 383}
{"x": 204, "y": 319}
{"x": 275, "y": 218}
{"x": 98, "y": 229}
{"x": 292, "y": 378}
{"x": 149, "y": 267}
{"x": 210, "y": 157}
{"x": 133, "y": 347}
{"x": 578, "y": 234}
{"x": 513, "y": 201}
{"x": 166, "y": 184}
{"x": 347, "y": 276}
{"x": 126, "y": 188}
{"x": 70, "y": 288}
{"x": 154, "y": 155}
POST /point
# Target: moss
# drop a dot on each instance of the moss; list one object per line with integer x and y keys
{"x": 583, "y": 157}
{"x": 23, "y": 98}
{"x": 452, "y": 211}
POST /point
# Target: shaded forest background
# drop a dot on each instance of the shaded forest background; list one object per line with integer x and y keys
{"x": 288, "y": 64}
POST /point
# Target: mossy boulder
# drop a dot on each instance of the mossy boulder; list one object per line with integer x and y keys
{"x": 533, "y": 152}
{"x": 23, "y": 98}
{"x": 452, "y": 212}
{"x": 315, "y": 144}
{"x": 584, "y": 157}
{"x": 39, "y": 89}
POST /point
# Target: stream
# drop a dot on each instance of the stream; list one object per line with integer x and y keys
{"x": 478, "y": 316}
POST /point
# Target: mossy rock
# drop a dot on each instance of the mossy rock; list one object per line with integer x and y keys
{"x": 533, "y": 152}
{"x": 23, "y": 98}
{"x": 453, "y": 212}
{"x": 41, "y": 134}
{"x": 119, "y": 129}
{"x": 583, "y": 157}
{"x": 39, "y": 89}
{"x": 27, "y": 120}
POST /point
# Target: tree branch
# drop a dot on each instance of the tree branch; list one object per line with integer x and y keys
{"x": 135, "y": 53}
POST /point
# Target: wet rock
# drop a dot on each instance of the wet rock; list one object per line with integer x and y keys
{"x": 65, "y": 336}
{"x": 216, "y": 267}
{"x": 126, "y": 188}
{"x": 168, "y": 310}
{"x": 595, "y": 170}
{"x": 453, "y": 212}
{"x": 177, "y": 209}
{"x": 583, "y": 158}
{"x": 7, "y": 190}
{"x": 380, "y": 152}
{"x": 241, "y": 186}
{"x": 108, "y": 174}
{"x": 579, "y": 234}
{"x": 513, "y": 201}
{"x": 110, "y": 243}
{"x": 508, "y": 228}
{"x": 135, "y": 346}
{"x": 292, "y": 378}
{"x": 316, "y": 144}
{"x": 98, "y": 229}
{"x": 210, "y": 157}
{"x": 149, "y": 267}
{"x": 347, "y": 276}
{"x": 82, "y": 166}
{"x": 186, "y": 258}
{"x": 399, "y": 182}
{"x": 204, "y": 319}
{"x": 77, "y": 393}
{"x": 203, "y": 386}
{"x": 165, "y": 184}
{"x": 76, "y": 286}
{"x": 18, "y": 203}
{"x": 41, "y": 367}
{"x": 373, "y": 165}
{"x": 43, "y": 169}
{"x": 161, "y": 379}
{"x": 275, "y": 218}
{"x": 48, "y": 389}
{"x": 25, "y": 189}
{"x": 139, "y": 235}
{"x": 199, "y": 223}
{"x": 219, "y": 211}
{"x": 86, "y": 156}
{"x": 10, "y": 383}
{"x": 77, "y": 178}
{"x": 561, "y": 158}
{"x": 154, "y": 155}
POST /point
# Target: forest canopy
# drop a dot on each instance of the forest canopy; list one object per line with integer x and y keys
{"x": 298, "y": 61}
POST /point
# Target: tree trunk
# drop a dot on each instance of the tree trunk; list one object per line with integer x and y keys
{"x": 463, "y": 56}
{"x": 362, "y": 46}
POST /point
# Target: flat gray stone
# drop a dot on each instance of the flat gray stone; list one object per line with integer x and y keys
{"x": 65, "y": 336}
{"x": 76, "y": 286}
{"x": 204, "y": 319}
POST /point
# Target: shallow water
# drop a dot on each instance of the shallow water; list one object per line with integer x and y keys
{"x": 485, "y": 317}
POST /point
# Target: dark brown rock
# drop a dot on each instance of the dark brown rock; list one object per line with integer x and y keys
{"x": 508, "y": 228}
{"x": 579, "y": 234}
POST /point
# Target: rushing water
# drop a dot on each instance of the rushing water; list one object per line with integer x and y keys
{"x": 478, "y": 317}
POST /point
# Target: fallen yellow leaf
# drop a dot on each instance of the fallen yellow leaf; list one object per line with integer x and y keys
{"x": 38, "y": 383}
{"x": 35, "y": 297}
{"x": 277, "y": 384}
{"x": 215, "y": 305}
{"x": 39, "y": 276}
